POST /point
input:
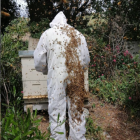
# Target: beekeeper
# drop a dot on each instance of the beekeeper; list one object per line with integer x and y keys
{"x": 49, "y": 59}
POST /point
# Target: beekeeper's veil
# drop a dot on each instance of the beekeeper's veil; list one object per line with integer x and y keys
{"x": 59, "y": 19}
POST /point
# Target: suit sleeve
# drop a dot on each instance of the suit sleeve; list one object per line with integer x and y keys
{"x": 40, "y": 56}
{"x": 85, "y": 54}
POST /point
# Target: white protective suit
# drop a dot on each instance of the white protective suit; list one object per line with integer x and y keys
{"x": 48, "y": 59}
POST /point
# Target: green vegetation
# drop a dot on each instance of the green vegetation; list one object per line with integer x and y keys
{"x": 19, "y": 126}
{"x": 123, "y": 89}
{"x": 10, "y": 61}
{"x": 93, "y": 130}
{"x": 38, "y": 28}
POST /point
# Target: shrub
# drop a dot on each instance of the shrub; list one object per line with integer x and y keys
{"x": 122, "y": 89}
{"x": 37, "y": 29}
{"x": 107, "y": 45}
{"x": 19, "y": 126}
{"x": 105, "y": 62}
{"x": 93, "y": 131}
{"x": 11, "y": 42}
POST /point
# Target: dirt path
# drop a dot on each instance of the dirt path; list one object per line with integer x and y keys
{"x": 45, "y": 121}
{"x": 113, "y": 121}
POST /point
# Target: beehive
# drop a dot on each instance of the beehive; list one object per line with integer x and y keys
{"x": 35, "y": 83}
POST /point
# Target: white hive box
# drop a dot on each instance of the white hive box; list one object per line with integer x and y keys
{"x": 35, "y": 83}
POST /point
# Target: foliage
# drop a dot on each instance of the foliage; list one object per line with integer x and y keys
{"x": 127, "y": 9}
{"x": 19, "y": 126}
{"x": 92, "y": 130}
{"x": 8, "y": 12}
{"x": 122, "y": 89}
{"x": 106, "y": 37}
{"x": 130, "y": 10}
{"x": 108, "y": 51}
{"x": 113, "y": 72}
{"x": 10, "y": 62}
{"x": 102, "y": 59}
{"x": 104, "y": 13}
{"x": 37, "y": 29}
{"x": 43, "y": 9}
{"x": 40, "y": 9}
{"x": 73, "y": 10}
{"x": 97, "y": 25}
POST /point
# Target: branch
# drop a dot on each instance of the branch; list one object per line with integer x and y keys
{"x": 83, "y": 7}
{"x": 6, "y": 94}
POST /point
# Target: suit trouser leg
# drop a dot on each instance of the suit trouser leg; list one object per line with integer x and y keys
{"x": 57, "y": 105}
{"x": 77, "y": 130}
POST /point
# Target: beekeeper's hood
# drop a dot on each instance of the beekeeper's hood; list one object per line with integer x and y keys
{"x": 59, "y": 19}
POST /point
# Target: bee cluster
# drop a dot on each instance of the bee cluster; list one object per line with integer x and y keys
{"x": 75, "y": 88}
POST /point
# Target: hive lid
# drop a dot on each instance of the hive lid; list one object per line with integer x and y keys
{"x": 26, "y": 53}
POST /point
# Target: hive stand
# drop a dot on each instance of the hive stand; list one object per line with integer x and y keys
{"x": 35, "y": 83}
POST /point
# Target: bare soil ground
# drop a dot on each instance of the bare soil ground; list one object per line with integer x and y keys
{"x": 113, "y": 120}
{"x": 45, "y": 121}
